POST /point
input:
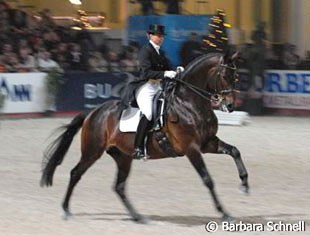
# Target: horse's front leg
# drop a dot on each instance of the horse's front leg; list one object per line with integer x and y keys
{"x": 196, "y": 159}
{"x": 216, "y": 145}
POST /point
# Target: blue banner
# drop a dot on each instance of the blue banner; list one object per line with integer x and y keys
{"x": 178, "y": 29}
{"x": 87, "y": 90}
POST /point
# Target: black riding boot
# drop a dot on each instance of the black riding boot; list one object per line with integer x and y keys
{"x": 142, "y": 130}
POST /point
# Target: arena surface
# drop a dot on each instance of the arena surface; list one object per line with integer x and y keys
{"x": 169, "y": 192}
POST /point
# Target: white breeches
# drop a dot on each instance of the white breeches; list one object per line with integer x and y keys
{"x": 144, "y": 97}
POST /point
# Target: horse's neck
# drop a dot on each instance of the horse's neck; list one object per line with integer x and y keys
{"x": 190, "y": 103}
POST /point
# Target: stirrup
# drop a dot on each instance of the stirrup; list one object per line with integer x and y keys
{"x": 139, "y": 154}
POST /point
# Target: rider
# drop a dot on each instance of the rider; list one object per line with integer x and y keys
{"x": 154, "y": 66}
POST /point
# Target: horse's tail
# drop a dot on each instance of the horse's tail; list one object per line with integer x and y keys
{"x": 56, "y": 151}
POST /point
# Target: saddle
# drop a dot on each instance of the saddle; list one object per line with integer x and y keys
{"x": 130, "y": 118}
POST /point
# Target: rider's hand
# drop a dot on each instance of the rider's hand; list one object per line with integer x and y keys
{"x": 180, "y": 69}
{"x": 170, "y": 74}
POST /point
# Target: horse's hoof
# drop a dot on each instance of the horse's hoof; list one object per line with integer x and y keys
{"x": 67, "y": 215}
{"x": 245, "y": 189}
{"x": 228, "y": 218}
{"x": 140, "y": 219}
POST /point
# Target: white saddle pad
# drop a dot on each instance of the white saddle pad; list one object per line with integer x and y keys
{"x": 129, "y": 120}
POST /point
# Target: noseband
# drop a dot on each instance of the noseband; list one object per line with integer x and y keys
{"x": 216, "y": 96}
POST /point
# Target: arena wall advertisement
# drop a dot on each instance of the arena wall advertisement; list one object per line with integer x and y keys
{"x": 287, "y": 89}
{"x": 25, "y": 92}
{"x": 87, "y": 90}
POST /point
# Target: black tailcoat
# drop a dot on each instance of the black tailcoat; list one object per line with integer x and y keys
{"x": 152, "y": 66}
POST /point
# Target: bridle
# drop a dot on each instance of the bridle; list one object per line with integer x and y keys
{"x": 216, "y": 96}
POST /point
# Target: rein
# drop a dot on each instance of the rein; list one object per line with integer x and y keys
{"x": 210, "y": 96}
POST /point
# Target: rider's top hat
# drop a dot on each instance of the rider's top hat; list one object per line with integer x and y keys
{"x": 156, "y": 29}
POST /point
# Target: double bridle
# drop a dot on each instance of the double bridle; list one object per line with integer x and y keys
{"x": 216, "y": 96}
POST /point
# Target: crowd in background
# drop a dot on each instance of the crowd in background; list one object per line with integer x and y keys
{"x": 36, "y": 43}
{"x": 277, "y": 56}
{"x": 32, "y": 43}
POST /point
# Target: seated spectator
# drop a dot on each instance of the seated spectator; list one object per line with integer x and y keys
{"x": 113, "y": 62}
{"x": 75, "y": 57}
{"x": 45, "y": 63}
{"x": 128, "y": 63}
{"x": 50, "y": 40}
{"x": 12, "y": 63}
{"x": 27, "y": 61}
{"x": 97, "y": 63}
{"x": 290, "y": 57}
{"x": 7, "y": 49}
{"x": 61, "y": 55}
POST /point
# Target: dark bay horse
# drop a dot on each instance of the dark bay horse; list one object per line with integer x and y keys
{"x": 191, "y": 128}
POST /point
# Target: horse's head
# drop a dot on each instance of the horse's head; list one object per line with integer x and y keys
{"x": 213, "y": 78}
{"x": 224, "y": 83}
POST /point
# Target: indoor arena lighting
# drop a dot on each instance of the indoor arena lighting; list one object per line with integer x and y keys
{"x": 75, "y": 2}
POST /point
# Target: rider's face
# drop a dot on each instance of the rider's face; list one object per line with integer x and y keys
{"x": 157, "y": 38}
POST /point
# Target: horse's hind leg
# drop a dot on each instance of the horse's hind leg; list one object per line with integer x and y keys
{"x": 218, "y": 146}
{"x": 124, "y": 165}
{"x": 76, "y": 174}
{"x": 196, "y": 159}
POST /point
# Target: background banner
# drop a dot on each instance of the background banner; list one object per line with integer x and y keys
{"x": 178, "y": 29}
{"x": 87, "y": 90}
{"x": 289, "y": 89}
{"x": 25, "y": 92}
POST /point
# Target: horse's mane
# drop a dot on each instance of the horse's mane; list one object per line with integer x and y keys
{"x": 193, "y": 65}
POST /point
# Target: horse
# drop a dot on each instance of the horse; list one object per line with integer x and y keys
{"x": 191, "y": 126}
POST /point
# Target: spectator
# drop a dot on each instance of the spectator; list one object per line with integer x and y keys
{"x": 61, "y": 55}
{"x": 75, "y": 57}
{"x": 45, "y": 63}
{"x": 173, "y": 7}
{"x": 129, "y": 63}
{"x": 50, "y": 40}
{"x": 290, "y": 57}
{"x": 147, "y": 7}
{"x": 7, "y": 49}
{"x": 113, "y": 62}
{"x": 27, "y": 61}
{"x": 97, "y": 63}
{"x": 12, "y": 63}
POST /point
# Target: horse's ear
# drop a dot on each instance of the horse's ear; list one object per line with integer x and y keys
{"x": 235, "y": 56}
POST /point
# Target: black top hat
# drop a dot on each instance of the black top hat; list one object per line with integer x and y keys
{"x": 156, "y": 29}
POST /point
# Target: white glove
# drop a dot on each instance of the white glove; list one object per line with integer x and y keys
{"x": 170, "y": 74}
{"x": 180, "y": 69}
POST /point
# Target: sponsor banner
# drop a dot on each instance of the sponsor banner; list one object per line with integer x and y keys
{"x": 88, "y": 90}
{"x": 289, "y": 89}
{"x": 25, "y": 92}
{"x": 177, "y": 27}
